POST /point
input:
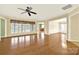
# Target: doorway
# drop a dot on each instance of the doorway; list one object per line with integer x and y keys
{"x": 41, "y": 34}
{"x": 59, "y": 26}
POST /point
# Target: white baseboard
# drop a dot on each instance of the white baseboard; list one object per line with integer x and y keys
{"x": 76, "y": 42}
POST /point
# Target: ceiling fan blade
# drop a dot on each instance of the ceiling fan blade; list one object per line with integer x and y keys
{"x": 23, "y": 12}
{"x": 29, "y": 14}
{"x": 21, "y": 9}
{"x": 33, "y": 12}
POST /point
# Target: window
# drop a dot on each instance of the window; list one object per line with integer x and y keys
{"x": 63, "y": 27}
{"x": 59, "y": 25}
{"x": 19, "y": 27}
{"x": 34, "y": 27}
{"x": 41, "y": 25}
{"x": 16, "y": 28}
{"x": 27, "y": 27}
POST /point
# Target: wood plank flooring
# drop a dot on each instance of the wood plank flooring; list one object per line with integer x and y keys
{"x": 37, "y": 45}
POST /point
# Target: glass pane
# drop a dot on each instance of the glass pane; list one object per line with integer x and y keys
{"x": 34, "y": 28}
{"x": 16, "y": 28}
{"x": 63, "y": 27}
{"x": 42, "y": 26}
{"x": 23, "y": 26}
{"x": 19, "y": 28}
{"x": 28, "y": 28}
{"x": 12, "y": 28}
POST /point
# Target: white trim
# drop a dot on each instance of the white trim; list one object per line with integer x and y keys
{"x": 74, "y": 14}
{"x": 69, "y": 28}
{"x": 74, "y": 40}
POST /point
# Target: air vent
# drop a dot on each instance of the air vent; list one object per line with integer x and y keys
{"x": 67, "y": 7}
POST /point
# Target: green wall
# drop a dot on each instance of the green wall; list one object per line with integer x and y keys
{"x": 2, "y": 27}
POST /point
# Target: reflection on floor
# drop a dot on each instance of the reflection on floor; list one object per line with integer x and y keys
{"x": 63, "y": 40}
{"x": 15, "y": 41}
{"x": 34, "y": 45}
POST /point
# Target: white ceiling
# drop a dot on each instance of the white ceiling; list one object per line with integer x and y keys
{"x": 44, "y": 11}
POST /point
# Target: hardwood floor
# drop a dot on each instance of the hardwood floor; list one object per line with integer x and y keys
{"x": 37, "y": 45}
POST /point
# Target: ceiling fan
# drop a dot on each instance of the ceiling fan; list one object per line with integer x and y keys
{"x": 27, "y": 10}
